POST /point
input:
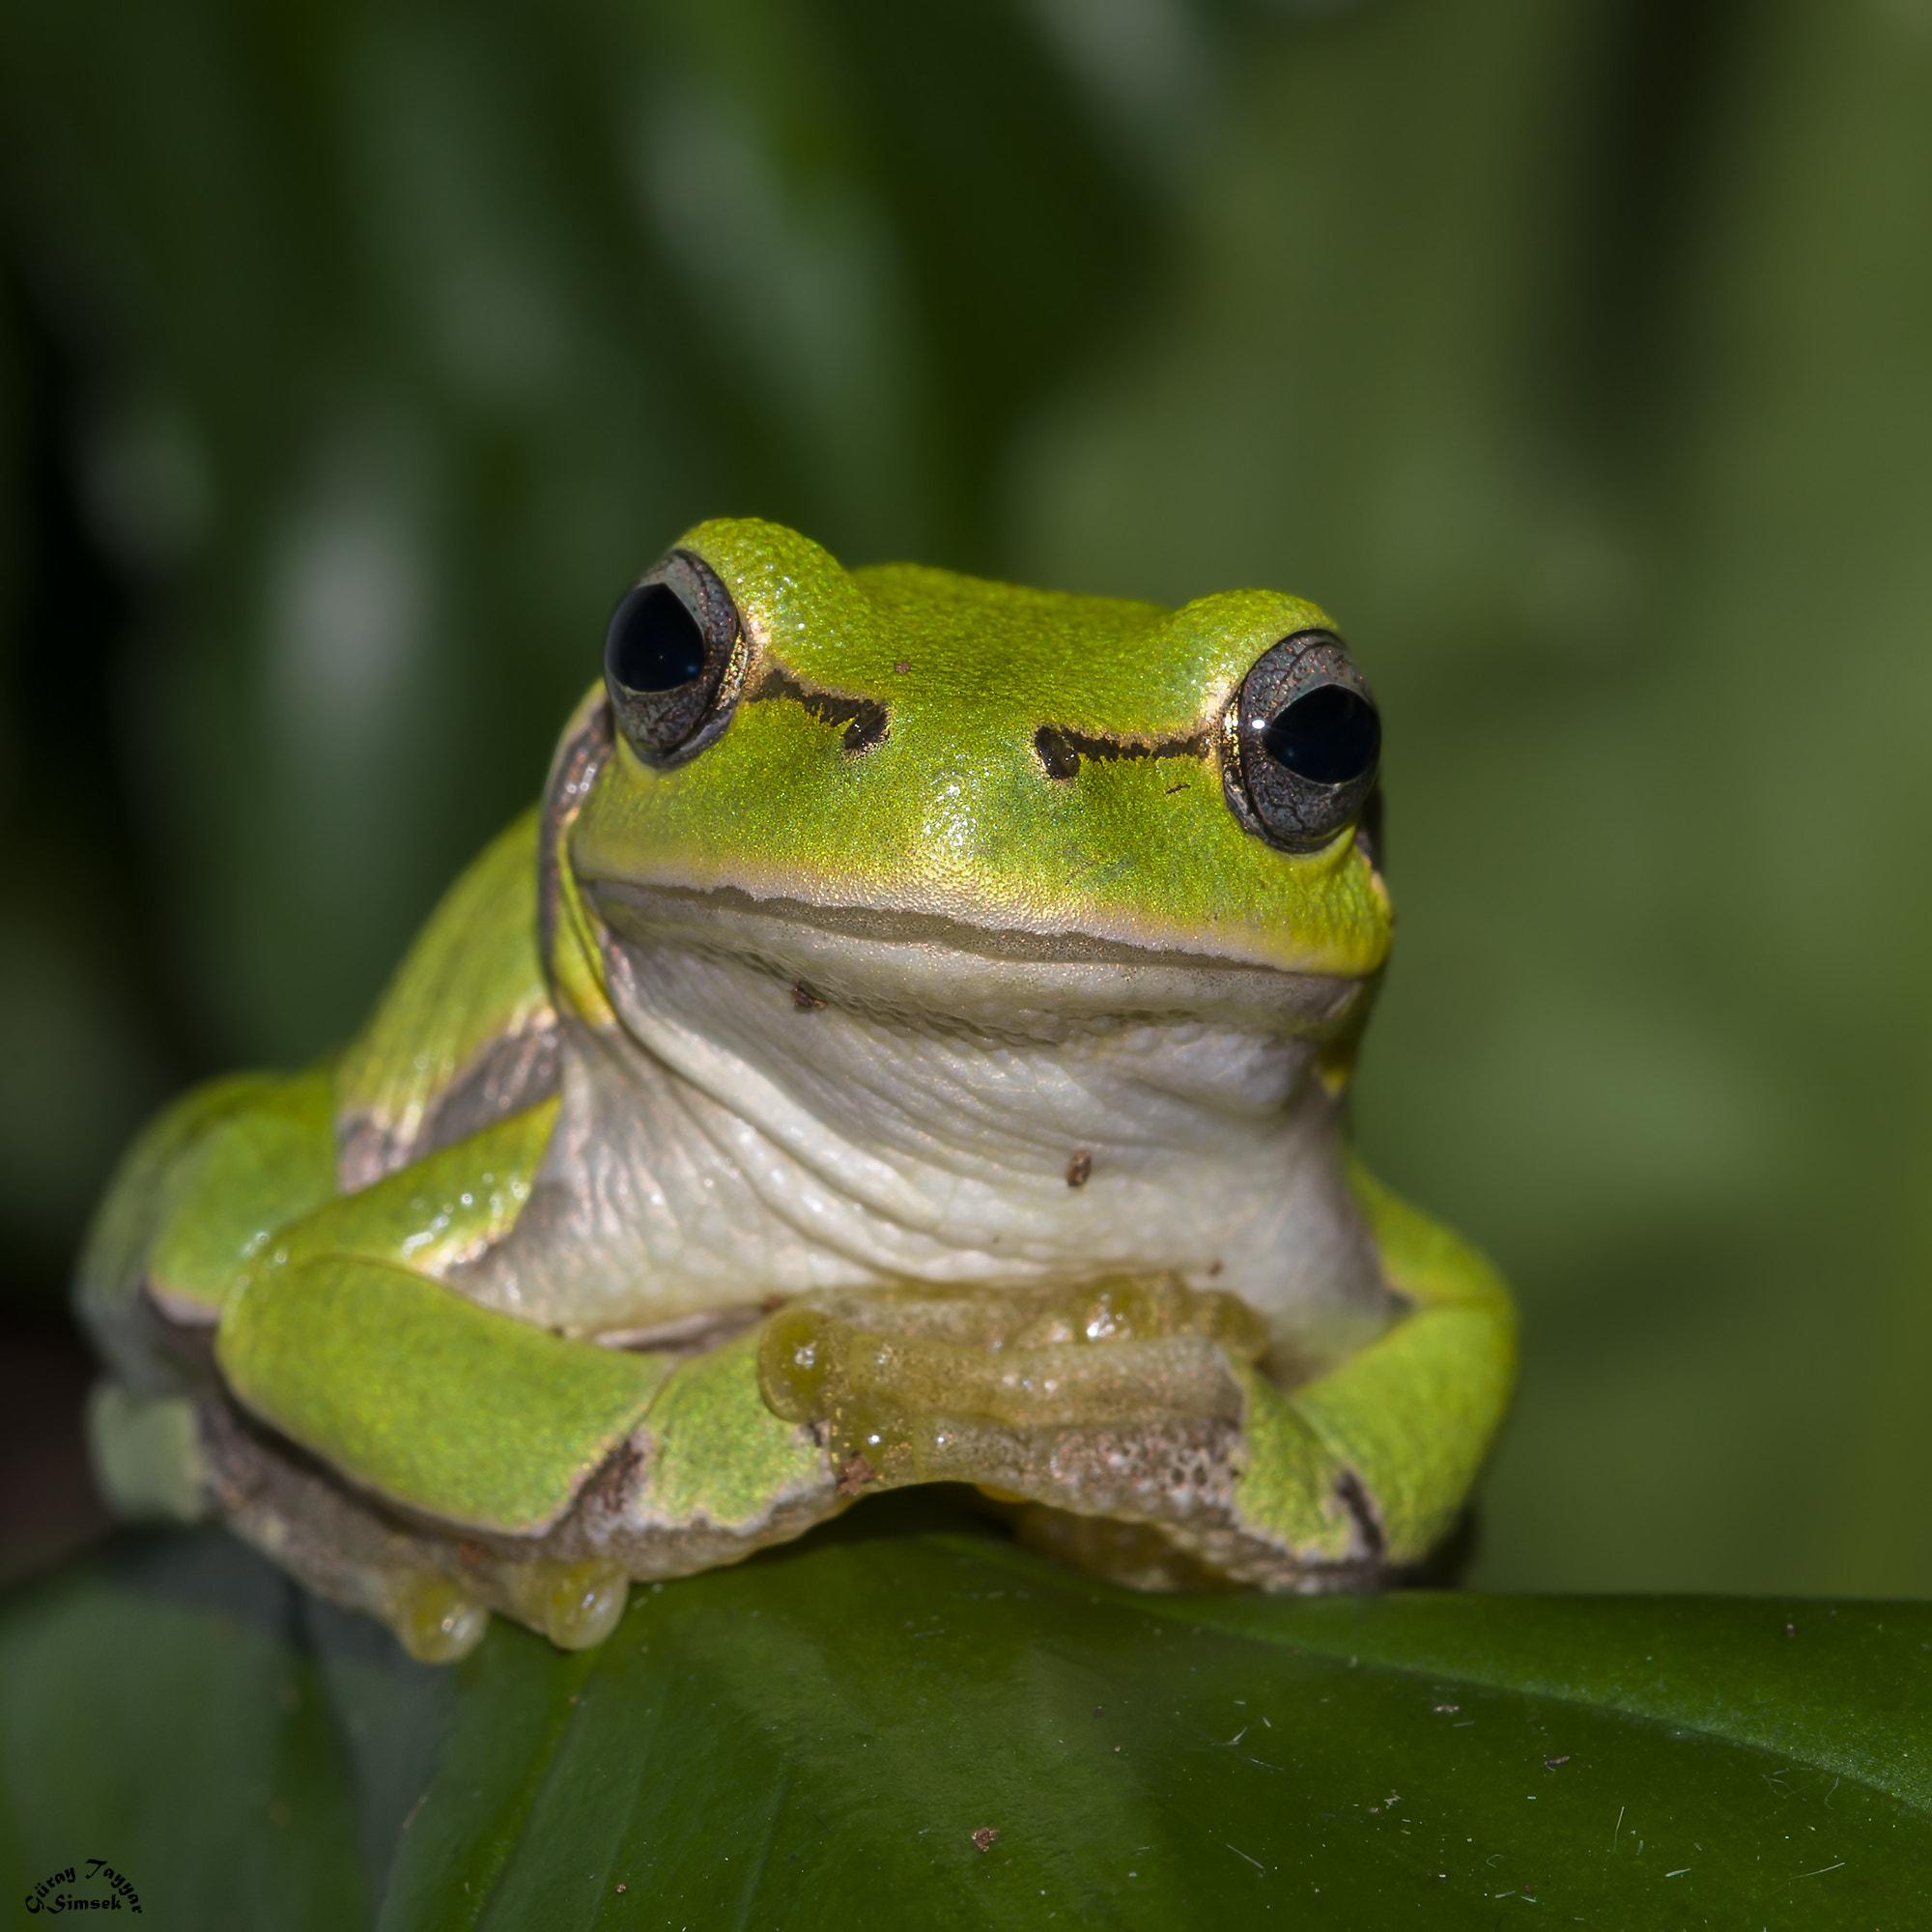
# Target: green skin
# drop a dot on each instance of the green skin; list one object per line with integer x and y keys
{"x": 718, "y": 1154}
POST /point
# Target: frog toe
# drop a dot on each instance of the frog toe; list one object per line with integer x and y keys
{"x": 576, "y": 1603}
{"x": 583, "y": 1602}
{"x": 434, "y": 1618}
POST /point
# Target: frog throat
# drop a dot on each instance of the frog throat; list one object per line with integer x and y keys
{"x": 721, "y": 1143}
{"x": 755, "y": 1106}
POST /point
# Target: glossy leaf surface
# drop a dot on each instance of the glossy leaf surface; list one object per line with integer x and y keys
{"x": 815, "y": 1738}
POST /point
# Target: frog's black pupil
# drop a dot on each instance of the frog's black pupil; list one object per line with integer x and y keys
{"x": 1329, "y": 735}
{"x": 654, "y": 642}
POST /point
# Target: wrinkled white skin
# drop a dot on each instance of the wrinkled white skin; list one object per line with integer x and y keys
{"x": 725, "y": 1145}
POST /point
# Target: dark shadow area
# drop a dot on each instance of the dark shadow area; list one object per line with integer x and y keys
{"x": 49, "y": 1508}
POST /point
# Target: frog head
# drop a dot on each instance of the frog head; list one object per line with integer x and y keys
{"x": 985, "y": 781}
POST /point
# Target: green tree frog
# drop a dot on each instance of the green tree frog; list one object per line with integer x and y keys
{"x": 907, "y": 1044}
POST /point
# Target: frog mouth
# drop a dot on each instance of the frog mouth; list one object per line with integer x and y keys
{"x": 894, "y": 925}
{"x": 890, "y": 957}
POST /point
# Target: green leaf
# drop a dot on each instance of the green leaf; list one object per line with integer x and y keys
{"x": 814, "y": 1739}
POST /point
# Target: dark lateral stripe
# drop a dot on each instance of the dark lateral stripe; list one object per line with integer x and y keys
{"x": 865, "y": 719}
{"x": 1061, "y": 748}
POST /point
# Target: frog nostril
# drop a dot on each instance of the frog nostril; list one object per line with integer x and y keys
{"x": 1058, "y": 757}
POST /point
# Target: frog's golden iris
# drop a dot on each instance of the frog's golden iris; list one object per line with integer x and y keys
{"x": 907, "y": 1042}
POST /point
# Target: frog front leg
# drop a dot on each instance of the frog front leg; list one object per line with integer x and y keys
{"x": 612, "y": 1466}
{"x": 1373, "y": 1462}
{"x": 494, "y": 1465}
{"x": 1133, "y": 1422}
{"x": 704, "y": 1474}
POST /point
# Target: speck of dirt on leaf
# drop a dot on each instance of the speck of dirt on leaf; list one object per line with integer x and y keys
{"x": 1079, "y": 1169}
{"x": 1445, "y": 1710}
{"x": 1551, "y": 1763}
{"x": 986, "y": 1837}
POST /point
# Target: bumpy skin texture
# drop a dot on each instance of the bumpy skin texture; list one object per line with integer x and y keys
{"x": 929, "y": 1072}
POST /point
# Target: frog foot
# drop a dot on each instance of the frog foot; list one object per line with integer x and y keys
{"x": 436, "y": 1593}
{"x": 1114, "y": 1411}
{"x": 438, "y": 1617}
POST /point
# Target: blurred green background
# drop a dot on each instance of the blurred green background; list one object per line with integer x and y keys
{"x": 355, "y": 356}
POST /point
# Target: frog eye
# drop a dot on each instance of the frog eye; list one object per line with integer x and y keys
{"x": 1300, "y": 741}
{"x": 673, "y": 659}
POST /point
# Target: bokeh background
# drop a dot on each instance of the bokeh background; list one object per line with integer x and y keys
{"x": 355, "y": 356}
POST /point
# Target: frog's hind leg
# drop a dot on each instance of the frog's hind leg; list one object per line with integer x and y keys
{"x": 192, "y": 1200}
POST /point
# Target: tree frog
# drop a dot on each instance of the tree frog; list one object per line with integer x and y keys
{"x": 907, "y": 1044}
